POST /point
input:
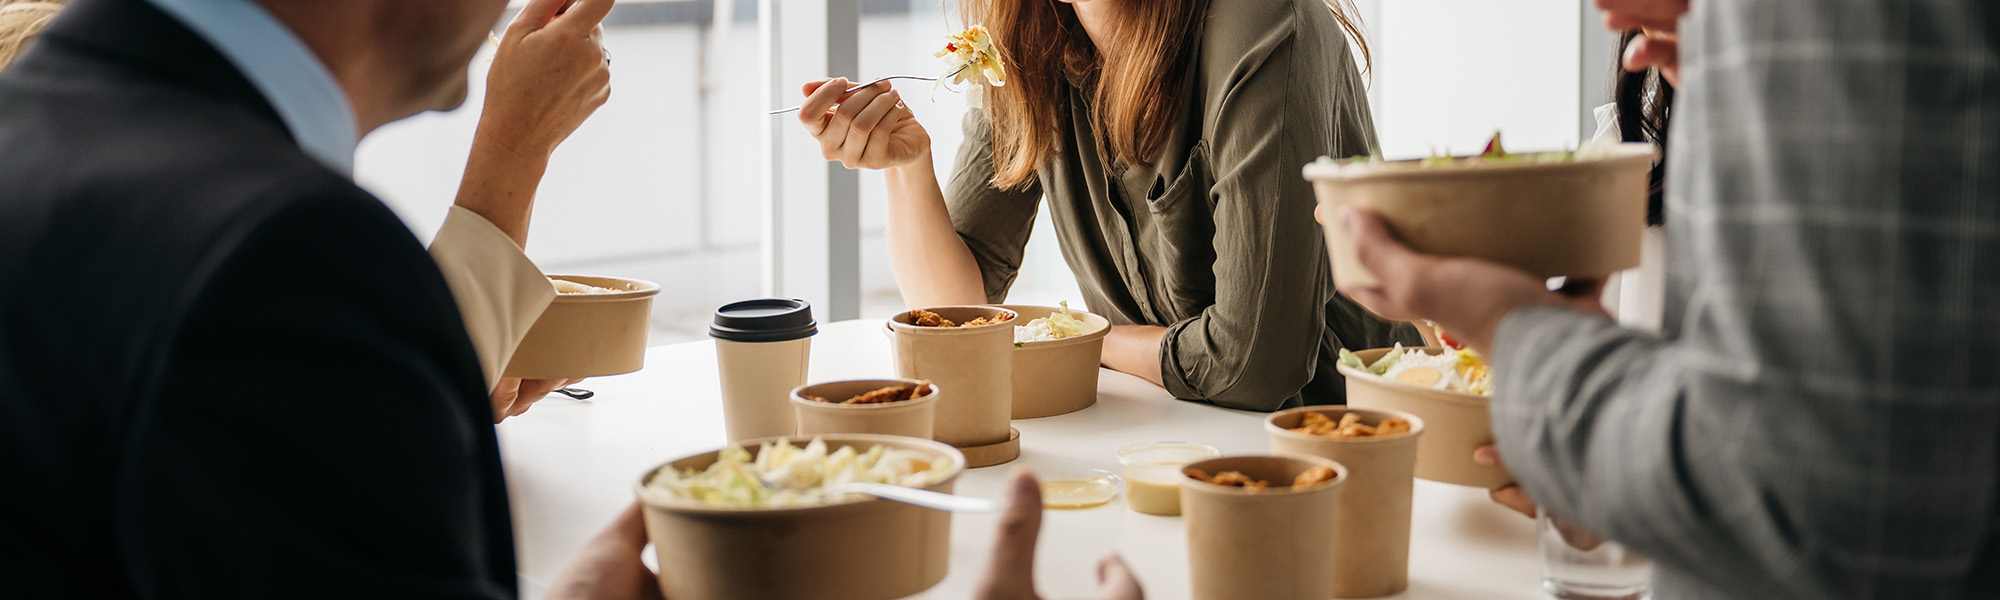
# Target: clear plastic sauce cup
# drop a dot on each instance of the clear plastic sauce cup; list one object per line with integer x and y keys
{"x": 1153, "y": 474}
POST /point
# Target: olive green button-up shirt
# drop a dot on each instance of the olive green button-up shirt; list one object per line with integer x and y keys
{"x": 1215, "y": 239}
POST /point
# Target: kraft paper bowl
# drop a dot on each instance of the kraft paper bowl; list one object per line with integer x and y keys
{"x": 912, "y": 417}
{"x": 1057, "y": 377}
{"x": 869, "y": 549}
{"x": 1580, "y": 218}
{"x": 588, "y": 335}
{"x": 1455, "y": 423}
{"x": 973, "y": 366}
{"x": 1272, "y": 544}
{"x": 1373, "y": 555}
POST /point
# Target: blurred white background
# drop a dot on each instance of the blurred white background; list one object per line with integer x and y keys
{"x": 664, "y": 182}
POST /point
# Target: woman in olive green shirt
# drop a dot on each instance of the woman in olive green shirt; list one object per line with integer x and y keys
{"x": 1184, "y": 215}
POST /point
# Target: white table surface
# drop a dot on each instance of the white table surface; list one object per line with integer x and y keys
{"x": 571, "y": 466}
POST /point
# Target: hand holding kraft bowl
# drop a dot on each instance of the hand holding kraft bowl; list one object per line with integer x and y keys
{"x": 1466, "y": 296}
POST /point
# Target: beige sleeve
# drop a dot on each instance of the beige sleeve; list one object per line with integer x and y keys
{"x": 500, "y": 293}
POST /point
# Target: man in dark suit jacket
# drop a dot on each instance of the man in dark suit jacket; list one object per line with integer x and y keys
{"x": 205, "y": 301}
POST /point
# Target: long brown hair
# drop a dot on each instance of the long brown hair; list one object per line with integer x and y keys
{"x": 20, "y": 22}
{"x": 1139, "y": 91}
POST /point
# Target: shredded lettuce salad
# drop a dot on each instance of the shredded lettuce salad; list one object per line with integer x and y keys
{"x": 1058, "y": 325}
{"x": 785, "y": 476}
{"x": 1494, "y": 154}
{"x": 1455, "y": 369}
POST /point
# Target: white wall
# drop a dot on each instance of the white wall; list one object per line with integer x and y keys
{"x": 1449, "y": 73}
{"x": 661, "y": 183}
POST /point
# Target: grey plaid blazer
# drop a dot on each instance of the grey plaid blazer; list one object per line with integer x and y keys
{"x": 1822, "y": 416}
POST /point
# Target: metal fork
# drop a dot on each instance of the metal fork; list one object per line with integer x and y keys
{"x": 858, "y": 88}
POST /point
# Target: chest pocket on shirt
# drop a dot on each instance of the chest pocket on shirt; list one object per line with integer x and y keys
{"x": 1184, "y": 240}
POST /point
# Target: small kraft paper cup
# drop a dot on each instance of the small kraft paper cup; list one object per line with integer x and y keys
{"x": 973, "y": 366}
{"x": 1271, "y": 544}
{"x": 870, "y": 549}
{"x": 587, "y": 335}
{"x": 912, "y": 417}
{"x": 1577, "y": 218}
{"x": 1056, "y": 377}
{"x": 1373, "y": 555}
{"x": 1455, "y": 423}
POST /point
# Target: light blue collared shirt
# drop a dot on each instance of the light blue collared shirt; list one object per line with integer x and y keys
{"x": 278, "y": 64}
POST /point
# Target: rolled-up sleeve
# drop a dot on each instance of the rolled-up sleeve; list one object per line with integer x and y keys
{"x": 995, "y": 223}
{"x": 1284, "y": 101}
{"x": 500, "y": 293}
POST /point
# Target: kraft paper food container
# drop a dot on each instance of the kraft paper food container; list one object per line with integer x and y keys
{"x": 912, "y": 417}
{"x": 1373, "y": 555}
{"x": 972, "y": 366}
{"x": 1273, "y": 544}
{"x": 588, "y": 335}
{"x": 1455, "y": 423}
{"x": 871, "y": 549}
{"x": 1581, "y": 218}
{"x": 1057, "y": 376}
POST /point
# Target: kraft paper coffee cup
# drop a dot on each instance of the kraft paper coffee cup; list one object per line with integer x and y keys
{"x": 1271, "y": 544}
{"x": 761, "y": 351}
{"x": 972, "y": 366}
{"x": 914, "y": 417}
{"x": 1373, "y": 555}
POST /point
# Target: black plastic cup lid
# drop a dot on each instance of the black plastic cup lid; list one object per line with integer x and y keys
{"x": 764, "y": 320}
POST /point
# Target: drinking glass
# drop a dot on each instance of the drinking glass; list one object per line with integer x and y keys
{"x": 1580, "y": 565}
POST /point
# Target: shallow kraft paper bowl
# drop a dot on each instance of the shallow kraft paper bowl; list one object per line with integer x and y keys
{"x": 1581, "y": 218}
{"x": 588, "y": 335}
{"x": 913, "y": 418}
{"x": 871, "y": 549}
{"x": 1454, "y": 423}
{"x": 1056, "y": 377}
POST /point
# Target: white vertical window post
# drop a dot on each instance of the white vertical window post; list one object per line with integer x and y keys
{"x": 812, "y": 207}
{"x": 1594, "y": 67}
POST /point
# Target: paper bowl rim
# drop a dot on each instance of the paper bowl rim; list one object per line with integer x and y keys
{"x": 662, "y": 501}
{"x": 642, "y": 289}
{"x": 1623, "y": 155}
{"x": 1271, "y": 425}
{"x": 1431, "y": 393}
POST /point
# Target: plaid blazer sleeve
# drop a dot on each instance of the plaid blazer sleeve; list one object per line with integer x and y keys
{"x": 1820, "y": 417}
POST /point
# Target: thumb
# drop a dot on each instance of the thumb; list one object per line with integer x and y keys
{"x": 536, "y": 15}
{"x": 1115, "y": 580}
{"x": 628, "y": 530}
{"x": 584, "y": 15}
{"x": 1011, "y": 572}
{"x": 1374, "y": 245}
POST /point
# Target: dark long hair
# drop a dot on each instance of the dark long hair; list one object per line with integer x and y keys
{"x": 1644, "y": 103}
